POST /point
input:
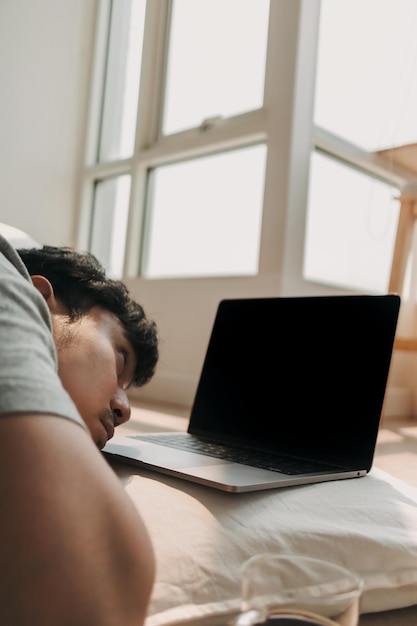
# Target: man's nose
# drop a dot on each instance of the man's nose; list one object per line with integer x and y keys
{"x": 120, "y": 407}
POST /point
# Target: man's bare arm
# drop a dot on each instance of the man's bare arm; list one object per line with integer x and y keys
{"x": 73, "y": 548}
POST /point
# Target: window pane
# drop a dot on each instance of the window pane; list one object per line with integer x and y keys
{"x": 109, "y": 223}
{"x": 366, "y": 89}
{"x": 205, "y": 216}
{"x": 351, "y": 227}
{"x": 216, "y": 60}
{"x": 121, "y": 90}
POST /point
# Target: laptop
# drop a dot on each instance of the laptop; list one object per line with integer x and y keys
{"x": 290, "y": 393}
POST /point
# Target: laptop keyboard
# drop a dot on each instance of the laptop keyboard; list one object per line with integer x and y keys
{"x": 276, "y": 463}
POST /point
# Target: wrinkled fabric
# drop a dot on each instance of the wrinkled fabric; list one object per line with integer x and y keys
{"x": 202, "y": 537}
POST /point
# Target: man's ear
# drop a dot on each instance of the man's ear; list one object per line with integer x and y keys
{"x": 45, "y": 288}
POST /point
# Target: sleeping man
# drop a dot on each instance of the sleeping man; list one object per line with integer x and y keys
{"x": 72, "y": 341}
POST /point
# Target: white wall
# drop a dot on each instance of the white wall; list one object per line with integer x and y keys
{"x": 44, "y": 68}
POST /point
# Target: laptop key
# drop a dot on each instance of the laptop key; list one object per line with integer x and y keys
{"x": 282, "y": 464}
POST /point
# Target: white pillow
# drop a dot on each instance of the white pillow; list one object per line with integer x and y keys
{"x": 202, "y": 536}
{"x": 18, "y": 238}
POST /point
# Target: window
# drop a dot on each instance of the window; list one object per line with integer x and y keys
{"x": 207, "y": 76}
{"x": 366, "y": 98}
{"x": 188, "y": 98}
{"x": 351, "y": 226}
{"x": 177, "y": 150}
{"x": 121, "y": 74}
{"x": 216, "y": 226}
{"x": 109, "y": 221}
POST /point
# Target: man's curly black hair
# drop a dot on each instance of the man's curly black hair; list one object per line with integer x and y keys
{"x": 80, "y": 283}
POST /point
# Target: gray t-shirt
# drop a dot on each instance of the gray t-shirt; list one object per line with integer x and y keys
{"x": 29, "y": 382}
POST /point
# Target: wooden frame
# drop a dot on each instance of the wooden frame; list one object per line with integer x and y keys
{"x": 402, "y": 251}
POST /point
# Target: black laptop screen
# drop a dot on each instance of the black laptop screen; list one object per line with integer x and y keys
{"x": 304, "y": 374}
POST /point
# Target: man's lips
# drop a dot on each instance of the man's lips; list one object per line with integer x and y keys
{"x": 108, "y": 424}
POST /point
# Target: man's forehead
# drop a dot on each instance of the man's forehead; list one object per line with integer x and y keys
{"x": 109, "y": 321}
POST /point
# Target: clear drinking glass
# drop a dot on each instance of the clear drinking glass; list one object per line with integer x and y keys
{"x": 293, "y": 590}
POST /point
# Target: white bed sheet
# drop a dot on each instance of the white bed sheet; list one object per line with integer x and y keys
{"x": 202, "y": 536}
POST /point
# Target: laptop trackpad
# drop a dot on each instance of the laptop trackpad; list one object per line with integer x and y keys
{"x": 163, "y": 456}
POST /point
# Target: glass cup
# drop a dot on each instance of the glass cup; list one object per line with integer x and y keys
{"x": 293, "y": 590}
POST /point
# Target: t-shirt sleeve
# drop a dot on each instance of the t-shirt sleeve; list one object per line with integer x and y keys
{"x": 29, "y": 381}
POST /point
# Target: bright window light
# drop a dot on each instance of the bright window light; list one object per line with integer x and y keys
{"x": 366, "y": 89}
{"x": 205, "y": 216}
{"x": 366, "y": 95}
{"x": 216, "y": 60}
{"x": 351, "y": 227}
{"x": 121, "y": 87}
{"x": 109, "y": 223}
